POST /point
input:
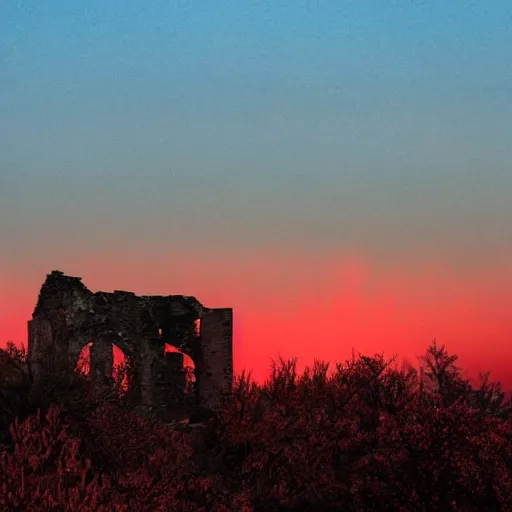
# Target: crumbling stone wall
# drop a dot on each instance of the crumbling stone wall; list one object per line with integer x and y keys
{"x": 68, "y": 316}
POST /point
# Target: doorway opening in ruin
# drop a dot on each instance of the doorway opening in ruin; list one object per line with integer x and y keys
{"x": 122, "y": 370}
{"x": 189, "y": 368}
{"x": 83, "y": 363}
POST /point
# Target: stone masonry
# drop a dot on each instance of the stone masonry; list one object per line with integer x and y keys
{"x": 68, "y": 316}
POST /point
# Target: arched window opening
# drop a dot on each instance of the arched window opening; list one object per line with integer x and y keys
{"x": 83, "y": 364}
{"x": 197, "y": 327}
{"x": 122, "y": 369}
{"x": 189, "y": 368}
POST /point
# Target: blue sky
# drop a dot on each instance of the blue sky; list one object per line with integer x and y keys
{"x": 359, "y": 95}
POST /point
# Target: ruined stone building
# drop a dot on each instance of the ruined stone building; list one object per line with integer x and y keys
{"x": 68, "y": 317}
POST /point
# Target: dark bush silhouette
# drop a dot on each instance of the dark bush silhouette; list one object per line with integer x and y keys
{"x": 365, "y": 437}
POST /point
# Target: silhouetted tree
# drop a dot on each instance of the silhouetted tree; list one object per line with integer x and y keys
{"x": 364, "y": 437}
{"x": 489, "y": 397}
{"x": 444, "y": 382}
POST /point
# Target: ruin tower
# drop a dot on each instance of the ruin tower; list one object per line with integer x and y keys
{"x": 68, "y": 316}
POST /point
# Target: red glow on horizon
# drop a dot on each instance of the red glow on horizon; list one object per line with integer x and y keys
{"x": 320, "y": 309}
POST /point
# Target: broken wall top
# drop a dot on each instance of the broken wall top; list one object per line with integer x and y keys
{"x": 65, "y": 299}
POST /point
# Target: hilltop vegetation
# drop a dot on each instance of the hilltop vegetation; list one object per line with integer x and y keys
{"x": 365, "y": 437}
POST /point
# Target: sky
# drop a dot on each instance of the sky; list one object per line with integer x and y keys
{"x": 338, "y": 172}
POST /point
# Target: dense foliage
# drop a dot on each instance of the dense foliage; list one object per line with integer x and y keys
{"x": 365, "y": 437}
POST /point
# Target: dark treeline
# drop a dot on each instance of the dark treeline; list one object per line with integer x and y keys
{"x": 366, "y": 436}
